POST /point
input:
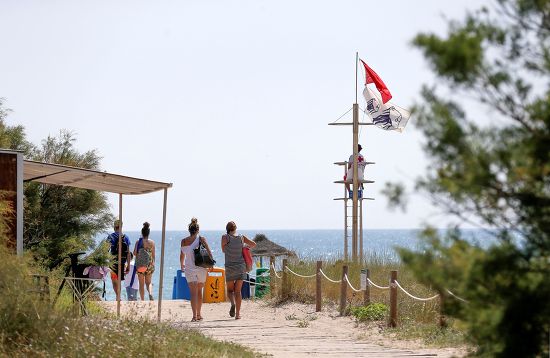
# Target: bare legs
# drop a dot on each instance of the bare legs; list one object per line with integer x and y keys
{"x": 234, "y": 293}
{"x": 196, "y": 299}
{"x": 145, "y": 281}
{"x": 115, "y": 287}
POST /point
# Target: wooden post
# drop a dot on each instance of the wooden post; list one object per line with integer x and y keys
{"x": 343, "y": 291}
{"x": 442, "y": 318}
{"x": 284, "y": 286}
{"x": 120, "y": 268}
{"x": 272, "y": 275}
{"x": 355, "y": 182}
{"x": 318, "y": 287}
{"x": 393, "y": 299}
{"x": 361, "y": 230}
{"x": 345, "y": 228}
{"x": 366, "y": 296}
{"x": 163, "y": 244}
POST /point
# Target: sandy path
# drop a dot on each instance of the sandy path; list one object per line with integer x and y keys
{"x": 292, "y": 330}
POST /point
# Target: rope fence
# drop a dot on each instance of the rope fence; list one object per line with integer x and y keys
{"x": 350, "y": 285}
{"x": 414, "y": 297}
{"x": 366, "y": 284}
{"x": 275, "y": 271}
{"x": 328, "y": 278}
{"x": 297, "y": 274}
{"x": 375, "y": 285}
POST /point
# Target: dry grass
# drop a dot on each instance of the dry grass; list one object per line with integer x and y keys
{"x": 416, "y": 319}
{"x": 30, "y": 327}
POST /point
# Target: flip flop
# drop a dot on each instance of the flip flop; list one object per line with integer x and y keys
{"x": 238, "y": 317}
{"x": 193, "y": 319}
{"x": 232, "y": 311}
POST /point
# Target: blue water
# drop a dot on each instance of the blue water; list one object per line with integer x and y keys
{"x": 315, "y": 244}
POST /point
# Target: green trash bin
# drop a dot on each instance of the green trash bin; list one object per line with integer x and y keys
{"x": 262, "y": 277}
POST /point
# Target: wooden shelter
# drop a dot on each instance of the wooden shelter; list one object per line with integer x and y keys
{"x": 56, "y": 174}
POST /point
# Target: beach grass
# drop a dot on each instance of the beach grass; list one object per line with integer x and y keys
{"x": 31, "y": 327}
{"x": 416, "y": 319}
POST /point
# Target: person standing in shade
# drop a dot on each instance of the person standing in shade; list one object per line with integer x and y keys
{"x": 235, "y": 266}
{"x": 125, "y": 255}
{"x": 195, "y": 275}
{"x": 144, "y": 251}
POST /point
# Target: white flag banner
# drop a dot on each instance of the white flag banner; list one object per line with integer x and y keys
{"x": 387, "y": 115}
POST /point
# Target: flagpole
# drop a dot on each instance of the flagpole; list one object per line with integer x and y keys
{"x": 356, "y": 65}
{"x": 355, "y": 169}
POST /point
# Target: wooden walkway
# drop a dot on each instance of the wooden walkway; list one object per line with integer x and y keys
{"x": 292, "y": 330}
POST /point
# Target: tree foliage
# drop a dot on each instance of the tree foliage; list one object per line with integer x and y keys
{"x": 488, "y": 141}
{"x": 57, "y": 219}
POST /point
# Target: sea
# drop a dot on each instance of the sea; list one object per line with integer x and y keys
{"x": 307, "y": 244}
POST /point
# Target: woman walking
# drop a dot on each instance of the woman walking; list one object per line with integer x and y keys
{"x": 195, "y": 275}
{"x": 144, "y": 252}
{"x": 235, "y": 266}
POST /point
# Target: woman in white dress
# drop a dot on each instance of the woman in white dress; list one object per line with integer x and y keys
{"x": 196, "y": 276}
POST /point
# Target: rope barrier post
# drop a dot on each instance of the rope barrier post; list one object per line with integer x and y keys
{"x": 272, "y": 275}
{"x": 442, "y": 319}
{"x": 284, "y": 287}
{"x": 318, "y": 287}
{"x": 343, "y": 291}
{"x": 366, "y": 295}
{"x": 393, "y": 299}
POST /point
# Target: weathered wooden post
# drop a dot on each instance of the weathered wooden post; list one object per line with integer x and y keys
{"x": 318, "y": 287}
{"x": 284, "y": 286}
{"x": 393, "y": 299}
{"x": 442, "y": 319}
{"x": 272, "y": 275}
{"x": 343, "y": 290}
{"x": 366, "y": 294}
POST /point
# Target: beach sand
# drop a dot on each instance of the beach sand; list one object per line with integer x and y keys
{"x": 288, "y": 330}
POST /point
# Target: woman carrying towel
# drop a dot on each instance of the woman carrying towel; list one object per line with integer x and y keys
{"x": 196, "y": 276}
{"x": 235, "y": 267}
{"x": 144, "y": 252}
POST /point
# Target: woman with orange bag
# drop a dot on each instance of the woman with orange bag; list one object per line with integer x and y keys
{"x": 144, "y": 252}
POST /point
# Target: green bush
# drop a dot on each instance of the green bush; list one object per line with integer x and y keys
{"x": 370, "y": 312}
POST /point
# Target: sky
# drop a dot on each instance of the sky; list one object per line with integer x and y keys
{"x": 228, "y": 100}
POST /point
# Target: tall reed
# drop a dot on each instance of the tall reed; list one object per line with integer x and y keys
{"x": 379, "y": 264}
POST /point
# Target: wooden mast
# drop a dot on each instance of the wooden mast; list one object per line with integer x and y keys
{"x": 355, "y": 169}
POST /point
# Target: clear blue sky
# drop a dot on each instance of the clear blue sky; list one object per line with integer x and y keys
{"x": 229, "y": 100}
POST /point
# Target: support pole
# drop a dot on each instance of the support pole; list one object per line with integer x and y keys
{"x": 366, "y": 296}
{"x": 284, "y": 286}
{"x": 355, "y": 180}
{"x": 442, "y": 318}
{"x": 119, "y": 271}
{"x": 272, "y": 275}
{"x": 162, "y": 254}
{"x": 346, "y": 249}
{"x": 343, "y": 291}
{"x": 361, "y": 230}
{"x": 393, "y": 299}
{"x": 318, "y": 287}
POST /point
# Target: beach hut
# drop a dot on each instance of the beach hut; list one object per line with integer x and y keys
{"x": 267, "y": 248}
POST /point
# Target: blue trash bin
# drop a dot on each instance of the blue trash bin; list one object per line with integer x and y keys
{"x": 182, "y": 288}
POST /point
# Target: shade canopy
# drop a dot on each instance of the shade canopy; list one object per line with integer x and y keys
{"x": 88, "y": 179}
{"x": 266, "y": 247}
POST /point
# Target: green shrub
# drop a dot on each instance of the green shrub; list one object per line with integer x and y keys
{"x": 371, "y": 312}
